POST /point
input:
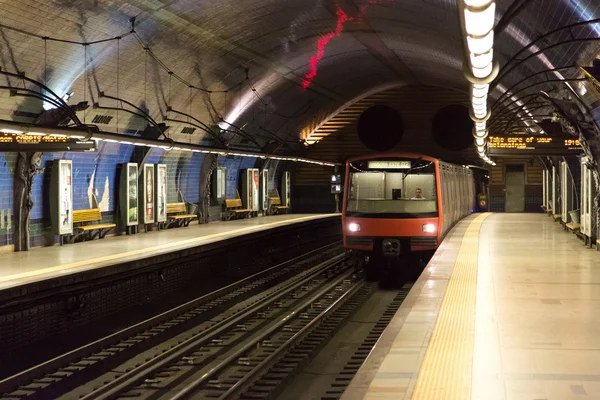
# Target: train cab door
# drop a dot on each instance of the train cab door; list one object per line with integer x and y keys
{"x": 515, "y": 188}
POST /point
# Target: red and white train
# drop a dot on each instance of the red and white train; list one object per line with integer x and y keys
{"x": 399, "y": 207}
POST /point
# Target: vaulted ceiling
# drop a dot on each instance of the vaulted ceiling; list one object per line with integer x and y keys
{"x": 270, "y": 68}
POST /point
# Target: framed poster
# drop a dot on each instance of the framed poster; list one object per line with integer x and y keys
{"x": 264, "y": 189}
{"x": 219, "y": 183}
{"x": 132, "y": 194}
{"x": 161, "y": 193}
{"x": 148, "y": 193}
{"x": 249, "y": 189}
{"x": 255, "y": 182}
{"x": 65, "y": 197}
{"x": 287, "y": 190}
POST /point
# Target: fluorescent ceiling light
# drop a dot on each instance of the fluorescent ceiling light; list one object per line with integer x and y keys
{"x": 481, "y": 134}
{"x": 480, "y": 90}
{"x": 16, "y": 132}
{"x": 479, "y": 100}
{"x": 480, "y": 45}
{"x": 482, "y": 60}
{"x": 477, "y": 3}
{"x": 480, "y": 22}
{"x": 482, "y": 72}
{"x": 480, "y": 141}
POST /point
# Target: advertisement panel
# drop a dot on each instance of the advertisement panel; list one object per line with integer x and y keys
{"x": 65, "y": 197}
{"x": 148, "y": 194}
{"x": 264, "y": 189}
{"x": 255, "y": 179}
{"x": 132, "y": 194}
{"x": 287, "y": 189}
{"x": 161, "y": 193}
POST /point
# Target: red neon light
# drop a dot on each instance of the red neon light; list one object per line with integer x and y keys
{"x": 321, "y": 43}
{"x": 342, "y": 18}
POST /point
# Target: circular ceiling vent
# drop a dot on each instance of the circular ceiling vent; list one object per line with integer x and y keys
{"x": 452, "y": 127}
{"x": 380, "y": 127}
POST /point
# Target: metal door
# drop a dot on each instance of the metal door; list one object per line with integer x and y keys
{"x": 515, "y": 188}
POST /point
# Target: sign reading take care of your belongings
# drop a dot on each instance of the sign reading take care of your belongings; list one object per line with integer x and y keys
{"x": 509, "y": 145}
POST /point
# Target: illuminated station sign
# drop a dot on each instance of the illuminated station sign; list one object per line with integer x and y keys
{"x": 510, "y": 145}
{"x": 389, "y": 164}
{"x": 11, "y": 142}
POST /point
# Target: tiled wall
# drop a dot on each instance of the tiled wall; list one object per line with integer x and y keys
{"x": 97, "y": 173}
{"x": 234, "y": 166}
{"x": 7, "y": 163}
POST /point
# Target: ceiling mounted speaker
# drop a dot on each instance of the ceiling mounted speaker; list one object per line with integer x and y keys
{"x": 452, "y": 127}
{"x": 380, "y": 128}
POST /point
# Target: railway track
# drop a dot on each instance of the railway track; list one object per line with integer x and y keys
{"x": 213, "y": 314}
{"x": 251, "y": 353}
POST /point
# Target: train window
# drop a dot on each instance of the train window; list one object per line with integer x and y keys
{"x": 391, "y": 192}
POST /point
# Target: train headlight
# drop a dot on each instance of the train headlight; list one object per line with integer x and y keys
{"x": 354, "y": 227}
{"x": 429, "y": 228}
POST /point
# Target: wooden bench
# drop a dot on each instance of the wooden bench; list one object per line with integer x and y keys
{"x": 233, "y": 209}
{"x": 89, "y": 231}
{"x": 573, "y": 227}
{"x": 178, "y": 216}
{"x": 275, "y": 206}
{"x": 556, "y": 217}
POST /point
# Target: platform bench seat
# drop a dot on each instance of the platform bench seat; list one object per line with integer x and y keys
{"x": 233, "y": 209}
{"x": 556, "y": 217}
{"x": 275, "y": 206}
{"x": 573, "y": 227}
{"x": 89, "y": 231}
{"x": 178, "y": 216}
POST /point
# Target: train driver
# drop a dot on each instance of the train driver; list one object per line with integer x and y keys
{"x": 418, "y": 195}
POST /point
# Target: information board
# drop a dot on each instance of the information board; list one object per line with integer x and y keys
{"x": 534, "y": 145}
{"x": 10, "y": 142}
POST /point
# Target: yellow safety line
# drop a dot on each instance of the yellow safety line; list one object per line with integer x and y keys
{"x": 42, "y": 271}
{"x": 446, "y": 370}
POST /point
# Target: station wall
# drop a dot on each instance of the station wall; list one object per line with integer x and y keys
{"x": 97, "y": 174}
{"x": 533, "y": 184}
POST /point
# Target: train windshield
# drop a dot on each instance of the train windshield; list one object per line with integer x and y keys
{"x": 394, "y": 188}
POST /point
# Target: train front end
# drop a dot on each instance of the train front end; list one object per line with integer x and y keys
{"x": 391, "y": 208}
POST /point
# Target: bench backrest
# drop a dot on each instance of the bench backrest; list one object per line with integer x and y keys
{"x": 233, "y": 203}
{"x": 175, "y": 208}
{"x": 275, "y": 201}
{"x": 93, "y": 214}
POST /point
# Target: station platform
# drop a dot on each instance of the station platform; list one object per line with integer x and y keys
{"x": 46, "y": 263}
{"x": 508, "y": 308}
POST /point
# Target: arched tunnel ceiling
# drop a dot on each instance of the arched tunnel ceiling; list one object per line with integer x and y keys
{"x": 304, "y": 59}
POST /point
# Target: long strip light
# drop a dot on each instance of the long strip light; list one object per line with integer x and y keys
{"x": 477, "y": 18}
{"x": 17, "y": 128}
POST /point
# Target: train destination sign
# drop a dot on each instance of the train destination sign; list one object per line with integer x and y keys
{"x": 389, "y": 164}
{"x": 508, "y": 145}
{"x": 10, "y": 142}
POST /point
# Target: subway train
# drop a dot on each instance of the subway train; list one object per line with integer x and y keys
{"x": 398, "y": 207}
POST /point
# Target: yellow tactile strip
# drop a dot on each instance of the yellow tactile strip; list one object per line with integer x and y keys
{"x": 446, "y": 370}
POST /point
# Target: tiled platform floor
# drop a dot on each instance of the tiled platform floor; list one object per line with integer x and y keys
{"x": 48, "y": 262}
{"x": 533, "y": 332}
